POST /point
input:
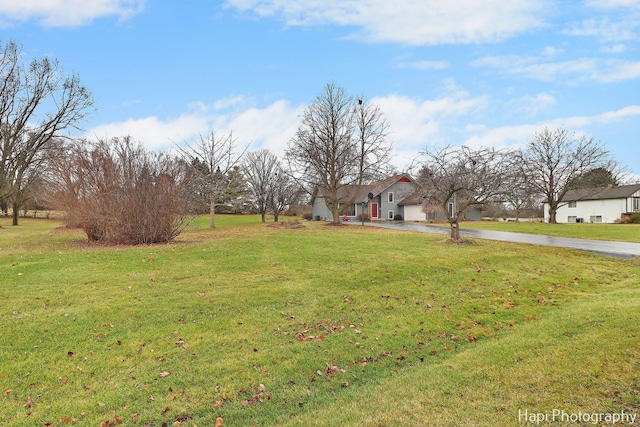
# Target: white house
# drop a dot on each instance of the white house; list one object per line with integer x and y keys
{"x": 597, "y": 205}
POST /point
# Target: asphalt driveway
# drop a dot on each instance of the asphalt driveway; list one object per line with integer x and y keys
{"x": 615, "y": 249}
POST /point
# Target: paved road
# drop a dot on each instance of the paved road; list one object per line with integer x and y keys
{"x": 616, "y": 249}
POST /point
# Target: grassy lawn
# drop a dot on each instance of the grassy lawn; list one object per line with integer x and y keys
{"x": 615, "y": 232}
{"x": 252, "y": 325}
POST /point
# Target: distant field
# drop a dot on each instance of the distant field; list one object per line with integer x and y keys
{"x": 333, "y": 326}
{"x": 615, "y": 232}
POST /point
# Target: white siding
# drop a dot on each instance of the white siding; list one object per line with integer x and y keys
{"x": 609, "y": 210}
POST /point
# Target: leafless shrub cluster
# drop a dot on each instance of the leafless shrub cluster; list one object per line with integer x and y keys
{"x": 118, "y": 192}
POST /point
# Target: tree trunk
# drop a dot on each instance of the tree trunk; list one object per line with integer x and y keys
{"x": 212, "y": 213}
{"x": 552, "y": 215}
{"x": 455, "y": 231}
{"x": 263, "y": 216}
{"x": 335, "y": 212}
{"x": 15, "y": 214}
{"x": 276, "y": 216}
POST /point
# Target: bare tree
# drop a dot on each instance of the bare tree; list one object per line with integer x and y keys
{"x": 457, "y": 178}
{"x": 272, "y": 188}
{"x": 37, "y": 103}
{"x": 555, "y": 158}
{"x": 216, "y": 158}
{"x": 519, "y": 193}
{"x": 285, "y": 192}
{"x": 339, "y": 142}
{"x": 261, "y": 168}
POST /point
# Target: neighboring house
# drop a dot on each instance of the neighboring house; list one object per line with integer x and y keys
{"x": 597, "y": 205}
{"x": 386, "y": 199}
{"x": 379, "y": 200}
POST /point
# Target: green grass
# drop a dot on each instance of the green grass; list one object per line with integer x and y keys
{"x": 313, "y": 326}
{"x": 614, "y": 232}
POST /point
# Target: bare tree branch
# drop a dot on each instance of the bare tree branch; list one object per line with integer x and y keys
{"x": 555, "y": 158}
{"x": 217, "y": 157}
{"x": 457, "y": 178}
{"x": 339, "y": 143}
{"x": 37, "y": 103}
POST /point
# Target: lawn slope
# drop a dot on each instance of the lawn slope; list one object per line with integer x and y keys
{"x": 252, "y": 325}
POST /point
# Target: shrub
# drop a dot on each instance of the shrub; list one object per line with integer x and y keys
{"x": 397, "y": 217}
{"x": 118, "y": 192}
{"x": 364, "y": 217}
{"x": 635, "y": 218}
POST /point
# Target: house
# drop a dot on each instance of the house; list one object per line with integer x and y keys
{"x": 413, "y": 207}
{"x": 378, "y": 200}
{"x": 395, "y": 197}
{"x": 597, "y": 205}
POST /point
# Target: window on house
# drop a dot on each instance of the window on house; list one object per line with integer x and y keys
{"x": 596, "y": 218}
{"x": 636, "y": 204}
{"x": 390, "y": 197}
{"x": 573, "y": 204}
{"x": 391, "y": 215}
{"x": 572, "y": 219}
{"x": 450, "y": 208}
{"x": 351, "y": 210}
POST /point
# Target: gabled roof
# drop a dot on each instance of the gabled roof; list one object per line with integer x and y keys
{"x": 602, "y": 193}
{"x": 379, "y": 186}
{"x": 414, "y": 199}
{"x": 346, "y": 192}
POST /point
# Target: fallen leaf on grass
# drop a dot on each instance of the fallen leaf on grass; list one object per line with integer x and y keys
{"x": 29, "y": 403}
{"x": 164, "y": 374}
{"x": 219, "y": 422}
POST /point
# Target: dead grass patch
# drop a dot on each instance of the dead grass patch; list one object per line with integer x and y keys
{"x": 287, "y": 225}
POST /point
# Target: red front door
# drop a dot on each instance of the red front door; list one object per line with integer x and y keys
{"x": 374, "y": 210}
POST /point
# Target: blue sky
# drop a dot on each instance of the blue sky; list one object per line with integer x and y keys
{"x": 488, "y": 73}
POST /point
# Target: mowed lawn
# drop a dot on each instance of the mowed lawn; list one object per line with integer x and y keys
{"x": 614, "y": 232}
{"x": 339, "y": 326}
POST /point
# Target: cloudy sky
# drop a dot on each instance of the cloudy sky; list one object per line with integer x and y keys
{"x": 489, "y": 73}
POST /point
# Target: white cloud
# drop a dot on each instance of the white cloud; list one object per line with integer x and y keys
{"x": 532, "y": 105}
{"x": 66, "y": 13}
{"x": 625, "y": 29}
{"x": 152, "y": 132}
{"x": 501, "y": 137}
{"x": 423, "y": 65}
{"x": 417, "y": 123}
{"x": 611, "y": 4}
{"x": 575, "y": 70}
{"x": 519, "y": 135}
{"x": 270, "y": 127}
{"x": 616, "y": 48}
{"x": 605, "y": 118}
{"x": 425, "y": 22}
